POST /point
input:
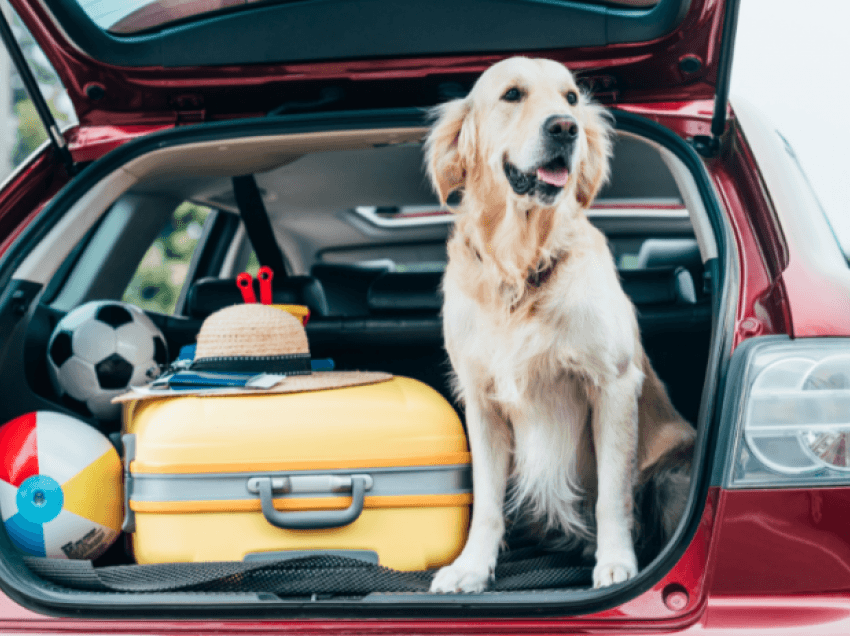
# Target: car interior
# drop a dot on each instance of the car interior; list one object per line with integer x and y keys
{"x": 358, "y": 237}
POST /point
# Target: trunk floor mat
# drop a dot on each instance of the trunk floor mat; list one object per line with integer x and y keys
{"x": 522, "y": 569}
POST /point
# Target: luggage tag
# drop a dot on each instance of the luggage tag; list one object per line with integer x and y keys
{"x": 192, "y": 380}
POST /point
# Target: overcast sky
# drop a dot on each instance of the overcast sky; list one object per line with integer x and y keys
{"x": 791, "y": 59}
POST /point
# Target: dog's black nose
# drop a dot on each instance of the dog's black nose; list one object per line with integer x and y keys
{"x": 561, "y": 128}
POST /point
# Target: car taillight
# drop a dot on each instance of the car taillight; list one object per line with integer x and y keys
{"x": 793, "y": 410}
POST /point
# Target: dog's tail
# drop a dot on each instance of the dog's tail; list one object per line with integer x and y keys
{"x": 660, "y": 500}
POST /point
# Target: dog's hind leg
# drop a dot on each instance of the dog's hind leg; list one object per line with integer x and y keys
{"x": 489, "y": 442}
{"x": 614, "y": 422}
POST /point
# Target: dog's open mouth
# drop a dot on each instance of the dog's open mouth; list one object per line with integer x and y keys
{"x": 554, "y": 173}
{"x": 545, "y": 181}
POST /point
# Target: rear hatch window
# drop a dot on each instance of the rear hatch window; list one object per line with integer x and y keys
{"x": 134, "y": 16}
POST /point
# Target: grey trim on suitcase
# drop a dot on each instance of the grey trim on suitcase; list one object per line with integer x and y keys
{"x": 296, "y": 484}
{"x": 129, "y": 442}
{"x": 408, "y": 480}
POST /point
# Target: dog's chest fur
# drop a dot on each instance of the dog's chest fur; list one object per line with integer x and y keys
{"x": 561, "y": 326}
{"x": 535, "y": 362}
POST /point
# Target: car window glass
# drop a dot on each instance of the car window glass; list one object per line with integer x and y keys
{"x": 23, "y": 130}
{"x": 162, "y": 272}
{"x": 134, "y": 16}
{"x": 426, "y": 257}
{"x": 253, "y": 265}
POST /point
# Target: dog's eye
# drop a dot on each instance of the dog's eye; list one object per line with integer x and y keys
{"x": 512, "y": 95}
{"x": 572, "y": 98}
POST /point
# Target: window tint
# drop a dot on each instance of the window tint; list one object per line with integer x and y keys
{"x": 162, "y": 272}
{"x": 133, "y": 16}
{"x": 17, "y": 113}
{"x": 425, "y": 257}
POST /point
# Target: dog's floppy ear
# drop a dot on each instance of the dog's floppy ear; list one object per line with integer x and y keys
{"x": 595, "y": 168}
{"x": 448, "y": 147}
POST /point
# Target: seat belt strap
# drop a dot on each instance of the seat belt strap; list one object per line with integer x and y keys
{"x": 257, "y": 224}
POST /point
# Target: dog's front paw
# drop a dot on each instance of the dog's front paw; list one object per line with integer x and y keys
{"x": 460, "y": 577}
{"x": 605, "y": 574}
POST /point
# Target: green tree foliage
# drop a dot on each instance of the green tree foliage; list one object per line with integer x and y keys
{"x": 160, "y": 276}
{"x": 31, "y": 131}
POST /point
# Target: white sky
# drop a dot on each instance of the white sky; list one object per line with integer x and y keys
{"x": 791, "y": 59}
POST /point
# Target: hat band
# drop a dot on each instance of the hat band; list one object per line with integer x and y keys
{"x": 288, "y": 364}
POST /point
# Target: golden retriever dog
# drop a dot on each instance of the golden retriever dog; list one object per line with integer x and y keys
{"x": 560, "y": 398}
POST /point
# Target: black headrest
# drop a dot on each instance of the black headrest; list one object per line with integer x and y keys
{"x": 419, "y": 292}
{"x": 659, "y": 285}
{"x": 211, "y": 294}
{"x": 346, "y": 286}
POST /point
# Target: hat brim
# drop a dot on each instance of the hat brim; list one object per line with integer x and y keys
{"x": 316, "y": 381}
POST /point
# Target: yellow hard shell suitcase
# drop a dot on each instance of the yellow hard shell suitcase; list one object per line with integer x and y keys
{"x": 381, "y": 468}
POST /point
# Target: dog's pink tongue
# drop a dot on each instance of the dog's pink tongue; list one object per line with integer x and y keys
{"x": 557, "y": 178}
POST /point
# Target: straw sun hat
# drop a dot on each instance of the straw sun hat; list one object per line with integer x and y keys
{"x": 264, "y": 339}
{"x": 258, "y": 339}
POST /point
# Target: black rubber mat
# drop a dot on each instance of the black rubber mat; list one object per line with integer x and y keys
{"x": 520, "y": 570}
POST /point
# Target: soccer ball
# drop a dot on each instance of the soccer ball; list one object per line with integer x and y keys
{"x": 98, "y": 351}
{"x": 60, "y": 486}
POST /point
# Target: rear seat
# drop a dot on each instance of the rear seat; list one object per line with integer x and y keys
{"x": 393, "y": 293}
{"x": 349, "y": 294}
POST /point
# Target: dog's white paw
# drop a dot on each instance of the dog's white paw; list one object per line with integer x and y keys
{"x": 605, "y": 574}
{"x": 460, "y": 577}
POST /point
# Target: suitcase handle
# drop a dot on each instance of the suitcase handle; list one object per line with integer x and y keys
{"x": 312, "y": 520}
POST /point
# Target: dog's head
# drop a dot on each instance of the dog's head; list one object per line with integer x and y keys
{"x": 525, "y": 128}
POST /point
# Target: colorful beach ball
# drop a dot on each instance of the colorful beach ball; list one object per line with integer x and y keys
{"x": 60, "y": 486}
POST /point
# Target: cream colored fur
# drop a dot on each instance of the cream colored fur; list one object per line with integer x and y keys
{"x": 558, "y": 392}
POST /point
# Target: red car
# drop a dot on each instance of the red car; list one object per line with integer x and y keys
{"x": 742, "y": 289}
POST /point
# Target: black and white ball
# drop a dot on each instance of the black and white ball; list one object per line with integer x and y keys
{"x": 98, "y": 351}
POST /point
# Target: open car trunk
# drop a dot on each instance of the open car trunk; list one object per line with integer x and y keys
{"x": 338, "y": 190}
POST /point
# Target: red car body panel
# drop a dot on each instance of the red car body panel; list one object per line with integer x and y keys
{"x": 89, "y": 143}
{"x": 783, "y": 542}
{"x": 27, "y": 191}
